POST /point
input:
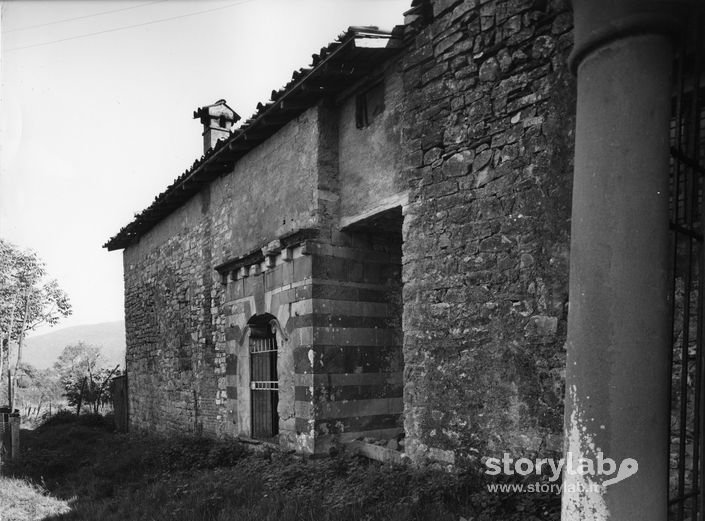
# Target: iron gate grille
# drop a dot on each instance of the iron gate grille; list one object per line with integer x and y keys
{"x": 264, "y": 384}
{"x": 687, "y": 226}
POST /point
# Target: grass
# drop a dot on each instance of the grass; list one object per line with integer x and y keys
{"x": 103, "y": 475}
{"x": 24, "y": 501}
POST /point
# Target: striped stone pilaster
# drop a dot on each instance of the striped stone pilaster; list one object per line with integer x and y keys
{"x": 340, "y": 356}
{"x": 281, "y": 286}
{"x": 349, "y": 379}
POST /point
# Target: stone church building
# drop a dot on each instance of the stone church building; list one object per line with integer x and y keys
{"x": 388, "y": 245}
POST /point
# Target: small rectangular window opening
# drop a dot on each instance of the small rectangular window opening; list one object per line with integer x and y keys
{"x": 369, "y": 105}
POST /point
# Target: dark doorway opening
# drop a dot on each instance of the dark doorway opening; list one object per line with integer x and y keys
{"x": 264, "y": 380}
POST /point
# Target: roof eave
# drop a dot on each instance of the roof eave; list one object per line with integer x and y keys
{"x": 269, "y": 118}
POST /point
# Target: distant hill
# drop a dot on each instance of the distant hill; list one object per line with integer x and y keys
{"x": 42, "y": 351}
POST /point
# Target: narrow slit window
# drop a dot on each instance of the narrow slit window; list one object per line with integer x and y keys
{"x": 369, "y": 105}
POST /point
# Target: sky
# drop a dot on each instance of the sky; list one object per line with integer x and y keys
{"x": 96, "y": 104}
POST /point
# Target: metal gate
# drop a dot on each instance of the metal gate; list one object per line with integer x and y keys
{"x": 687, "y": 175}
{"x": 264, "y": 384}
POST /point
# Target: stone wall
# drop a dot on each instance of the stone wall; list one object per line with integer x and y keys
{"x": 475, "y": 145}
{"x": 174, "y": 355}
{"x": 170, "y": 351}
{"x": 488, "y": 146}
{"x": 266, "y": 239}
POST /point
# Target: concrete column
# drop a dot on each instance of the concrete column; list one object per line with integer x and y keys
{"x": 617, "y": 373}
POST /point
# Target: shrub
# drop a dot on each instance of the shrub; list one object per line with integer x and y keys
{"x": 62, "y": 417}
{"x": 93, "y": 420}
{"x": 198, "y": 453}
{"x": 224, "y": 454}
{"x": 117, "y": 477}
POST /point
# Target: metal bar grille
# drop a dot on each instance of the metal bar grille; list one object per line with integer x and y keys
{"x": 686, "y": 199}
{"x": 264, "y": 384}
{"x": 263, "y": 345}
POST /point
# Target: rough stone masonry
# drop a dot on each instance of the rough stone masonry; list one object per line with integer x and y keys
{"x": 488, "y": 146}
{"x": 414, "y": 260}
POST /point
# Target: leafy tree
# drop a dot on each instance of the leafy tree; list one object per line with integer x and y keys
{"x": 84, "y": 376}
{"x": 78, "y": 359}
{"x": 40, "y": 388}
{"x": 28, "y": 299}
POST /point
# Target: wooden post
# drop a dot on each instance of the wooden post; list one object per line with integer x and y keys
{"x": 14, "y": 425}
{"x": 3, "y": 426}
{"x": 10, "y": 400}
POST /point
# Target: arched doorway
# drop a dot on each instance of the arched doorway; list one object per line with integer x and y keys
{"x": 264, "y": 379}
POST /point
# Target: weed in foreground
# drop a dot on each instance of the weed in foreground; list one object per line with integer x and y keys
{"x": 116, "y": 477}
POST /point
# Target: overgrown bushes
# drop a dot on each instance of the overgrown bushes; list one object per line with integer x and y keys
{"x": 198, "y": 453}
{"x": 116, "y": 476}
